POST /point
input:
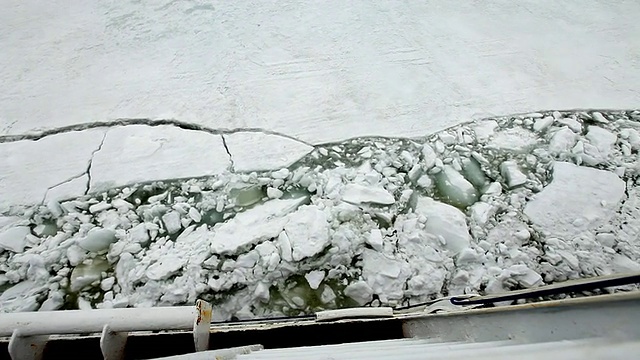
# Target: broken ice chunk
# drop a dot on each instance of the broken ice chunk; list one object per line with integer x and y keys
{"x": 314, "y": 278}
{"x": 601, "y": 139}
{"x": 247, "y": 196}
{"x": 606, "y": 239}
{"x": 107, "y": 284}
{"x": 522, "y": 235}
{"x": 466, "y": 256}
{"x": 274, "y": 193}
{"x": 494, "y": 189}
{"x": 632, "y": 136}
{"x": 308, "y": 232}
{"x": 384, "y": 275}
{"x": 525, "y": 276}
{"x": 266, "y": 249}
{"x": 598, "y": 117}
{"x": 512, "y": 174}
{"x": 139, "y": 234}
{"x": 425, "y": 182}
{"x": 562, "y": 141}
{"x": 473, "y": 172}
{"x": 447, "y": 138}
{"x": 359, "y": 194}
{"x": 262, "y": 222}
{"x": 87, "y": 273}
{"x": 21, "y": 297}
{"x": 445, "y": 221}
{"x": 261, "y": 292}
{"x": 481, "y": 212}
{"x": 572, "y": 124}
{"x": 248, "y": 260}
{"x": 165, "y": 267}
{"x": 622, "y": 264}
{"x": 285, "y": 247}
{"x": 559, "y": 205}
{"x": 280, "y": 174}
{"x": 589, "y": 154}
{"x": 14, "y": 238}
{"x": 359, "y": 291}
{"x": 172, "y": 222}
{"x": 195, "y": 215}
{"x": 516, "y": 139}
{"x": 375, "y": 239}
{"x": 97, "y": 239}
{"x": 55, "y": 208}
{"x": 121, "y": 205}
{"x": 327, "y": 295}
{"x": 54, "y": 302}
{"x": 84, "y": 304}
{"x": 428, "y": 156}
{"x": 76, "y": 255}
{"x": 485, "y": 129}
{"x": 101, "y": 206}
{"x": 415, "y": 173}
{"x": 542, "y": 124}
{"x": 157, "y": 198}
{"x": 455, "y": 188}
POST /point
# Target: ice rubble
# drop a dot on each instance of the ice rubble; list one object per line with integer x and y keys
{"x": 484, "y": 207}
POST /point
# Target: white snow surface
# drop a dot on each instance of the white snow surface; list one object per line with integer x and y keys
{"x": 309, "y": 69}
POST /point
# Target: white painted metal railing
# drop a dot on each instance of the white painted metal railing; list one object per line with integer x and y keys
{"x": 570, "y": 319}
{"x": 29, "y": 333}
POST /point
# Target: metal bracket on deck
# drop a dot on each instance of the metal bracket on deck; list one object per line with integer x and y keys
{"x": 27, "y": 347}
{"x": 202, "y": 325}
{"x": 112, "y": 344}
{"x": 354, "y": 313}
{"x": 445, "y": 305}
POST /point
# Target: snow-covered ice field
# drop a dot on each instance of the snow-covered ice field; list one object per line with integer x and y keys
{"x": 314, "y": 70}
{"x": 285, "y": 157}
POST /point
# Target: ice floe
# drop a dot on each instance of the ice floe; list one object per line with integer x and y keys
{"x": 578, "y": 200}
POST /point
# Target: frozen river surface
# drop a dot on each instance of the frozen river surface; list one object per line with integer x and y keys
{"x": 315, "y": 72}
{"x": 157, "y": 152}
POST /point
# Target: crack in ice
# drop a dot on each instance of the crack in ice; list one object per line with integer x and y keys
{"x": 44, "y": 198}
{"x": 141, "y": 121}
{"x": 221, "y": 131}
{"x": 226, "y": 148}
{"x": 93, "y": 154}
